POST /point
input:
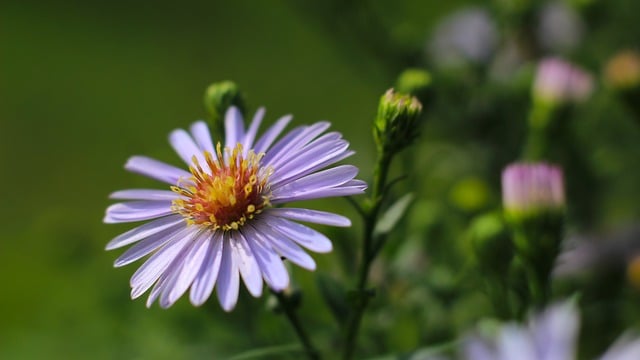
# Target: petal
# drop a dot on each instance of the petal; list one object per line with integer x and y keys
{"x": 309, "y": 160}
{"x": 234, "y": 127}
{"x": 301, "y": 234}
{"x": 158, "y": 263}
{"x": 192, "y": 264}
{"x": 250, "y": 136}
{"x": 144, "y": 231}
{"x": 202, "y": 136}
{"x": 208, "y": 273}
{"x": 312, "y": 216}
{"x": 156, "y": 169}
{"x": 144, "y": 194}
{"x": 515, "y": 343}
{"x": 294, "y": 140}
{"x": 247, "y": 264}
{"x": 228, "y": 278}
{"x": 287, "y": 248}
{"x": 186, "y": 148}
{"x": 353, "y": 187}
{"x": 147, "y": 246}
{"x": 265, "y": 141}
{"x": 137, "y": 211}
{"x": 312, "y": 150}
{"x": 273, "y": 270}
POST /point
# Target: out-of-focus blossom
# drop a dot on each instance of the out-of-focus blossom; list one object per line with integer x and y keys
{"x": 560, "y": 28}
{"x": 551, "y": 335}
{"x": 622, "y": 71}
{"x": 558, "y": 81}
{"x": 532, "y": 187}
{"x": 467, "y": 35}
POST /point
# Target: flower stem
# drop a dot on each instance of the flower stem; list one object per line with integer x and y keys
{"x": 362, "y": 296}
{"x": 292, "y": 316}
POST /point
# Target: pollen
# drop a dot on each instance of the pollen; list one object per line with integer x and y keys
{"x": 224, "y": 193}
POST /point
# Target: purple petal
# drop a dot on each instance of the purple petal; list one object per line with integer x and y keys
{"x": 265, "y": 141}
{"x": 148, "y": 245}
{"x": 186, "y": 148}
{"x": 294, "y": 140}
{"x": 228, "y": 278}
{"x": 144, "y": 231}
{"x": 192, "y": 264}
{"x": 247, "y": 264}
{"x": 202, "y": 136}
{"x": 326, "y": 143}
{"x": 287, "y": 248}
{"x": 151, "y": 270}
{"x": 273, "y": 270}
{"x": 250, "y": 136}
{"x": 156, "y": 169}
{"x": 144, "y": 194}
{"x": 208, "y": 273}
{"x": 301, "y": 234}
{"x": 137, "y": 211}
{"x": 234, "y": 127}
{"x": 312, "y": 216}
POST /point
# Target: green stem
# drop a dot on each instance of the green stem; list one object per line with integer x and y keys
{"x": 290, "y": 312}
{"x": 362, "y": 297}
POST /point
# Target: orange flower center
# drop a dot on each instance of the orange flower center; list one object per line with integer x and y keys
{"x": 233, "y": 189}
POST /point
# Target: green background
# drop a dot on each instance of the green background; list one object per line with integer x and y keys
{"x": 86, "y": 84}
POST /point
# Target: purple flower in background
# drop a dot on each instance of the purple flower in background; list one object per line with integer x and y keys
{"x": 217, "y": 222}
{"x": 551, "y": 335}
{"x": 558, "y": 81}
{"x": 530, "y": 187}
{"x": 467, "y": 35}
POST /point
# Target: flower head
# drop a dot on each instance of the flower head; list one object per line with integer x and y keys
{"x": 559, "y": 82}
{"x": 530, "y": 187}
{"x": 217, "y": 223}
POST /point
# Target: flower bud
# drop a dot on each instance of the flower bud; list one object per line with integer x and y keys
{"x": 396, "y": 125}
{"x": 622, "y": 71}
{"x": 532, "y": 187}
{"x": 558, "y": 82}
{"x": 221, "y": 96}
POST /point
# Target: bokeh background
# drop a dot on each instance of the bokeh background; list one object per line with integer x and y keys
{"x": 86, "y": 84}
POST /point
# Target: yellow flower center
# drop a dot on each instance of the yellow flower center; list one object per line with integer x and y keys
{"x": 234, "y": 190}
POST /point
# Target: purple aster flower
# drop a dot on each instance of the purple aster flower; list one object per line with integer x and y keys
{"x": 558, "y": 81}
{"x": 530, "y": 187}
{"x": 220, "y": 221}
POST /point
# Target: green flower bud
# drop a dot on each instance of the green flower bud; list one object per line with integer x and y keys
{"x": 396, "y": 125}
{"x": 218, "y": 98}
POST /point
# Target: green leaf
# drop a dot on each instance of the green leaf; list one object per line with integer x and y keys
{"x": 334, "y": 295}
{"x": 268, "y": 351}
{"x": 393, "y": 215}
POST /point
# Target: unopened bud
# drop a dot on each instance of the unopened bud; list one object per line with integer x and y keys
{"x": 219, "y": 97}
{"x": 529, "y": 188}
{"x": 396, "y": 125}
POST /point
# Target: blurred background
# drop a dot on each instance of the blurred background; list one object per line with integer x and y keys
{"x": 86, "y": 84}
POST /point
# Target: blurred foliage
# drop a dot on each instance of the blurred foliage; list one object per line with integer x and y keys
{"x": 86, "y": 84}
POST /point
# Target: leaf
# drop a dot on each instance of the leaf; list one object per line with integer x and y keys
{"x": 334, "y": 296}
{"x": 268, "y": 351}
{"x": 392, "y": 216}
